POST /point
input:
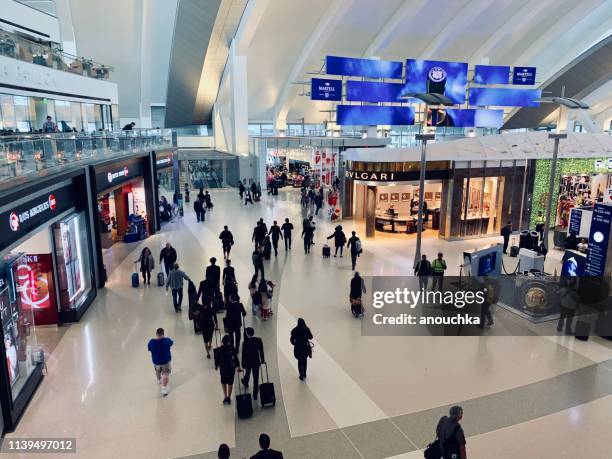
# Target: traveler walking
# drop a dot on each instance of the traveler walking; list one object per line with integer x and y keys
{"x": 287, "y": 229}
{"x": 232, "y": 321}
{"x": 266, "y": 247}
{"x": 227, "y": 241}
{"x": 159, "y": 347}
{"x": 339, "y": 240}
{"x": 506, "y": 231}
{"x": 318, "y": 200}
{"x": 451, "y": 436}
{"x": 354, "y": 243}
{"x": 302, "y": 350}
{"x": 258, "y": 262}
{"x": 255, "y": 297}
{"x": 568, "y": 302}
{"x": 266, "y": 452}
{"x": 213, "y": 272}
{"x": 308, "y": 236}
{"x": 423, "y": 270}
{"x": 252, "y": 359}
{"x": 175, "y": 282}
{"x": 275, "y": 233}
{"x": 241, "y": 189}
{"x": 201, "y": 195}
{"x": 168, "y": 256}
{"x": 438, "y": 266}
{"x": 208, "y": 200}
{"x": 199, "y": 210}
{"x": 265, "y": 296}
{"x": 259, "y": 234}
{"x": 147, "y": 264}
{"x": 357, "y": 289}
{"x": 228, "y": 363}
{"x": 207, "y": 322}
{"x": 230, "y": 286}
{"x": 247, "y": 197}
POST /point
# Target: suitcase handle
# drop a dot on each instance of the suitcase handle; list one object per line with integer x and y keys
{"x": 261, "y": 370}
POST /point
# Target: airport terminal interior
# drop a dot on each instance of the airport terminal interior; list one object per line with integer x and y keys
{"x": 344, "y": 229}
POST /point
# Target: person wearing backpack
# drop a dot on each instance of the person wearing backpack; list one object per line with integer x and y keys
{"x": 450, "y": 435}
{"x": 339, "y": 240}
{"x": 354, "y": 243}
{"x": 423, "y": 270}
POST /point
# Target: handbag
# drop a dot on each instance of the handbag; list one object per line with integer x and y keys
{"x": 310, "y": 348}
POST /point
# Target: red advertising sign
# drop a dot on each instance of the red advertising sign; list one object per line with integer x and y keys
{"x": 35, "y": 288}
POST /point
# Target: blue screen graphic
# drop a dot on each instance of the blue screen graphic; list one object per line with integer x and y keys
{"x": 439, "y": 77}
{"x": 491, "y": 74}
{"x": 369, "y": 68}
{"x": 369, "y": 115}
{"x": 524, "y": 75}
{"x": 369, "y": 91}
{"x": 599, "y": 238}
{"x": 324, "y": 89}
{"x": 466, "y": 118}
{"x": 505, "y": 97}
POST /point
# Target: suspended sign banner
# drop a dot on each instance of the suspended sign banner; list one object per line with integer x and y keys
{"x": 436, "y": 77}
{"x": 369, "y": 68}
{"x": 370, "y": 115}
{"x": 325, "y": 89}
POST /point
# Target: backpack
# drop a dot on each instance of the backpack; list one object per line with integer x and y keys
{"x": 358, "y": 246}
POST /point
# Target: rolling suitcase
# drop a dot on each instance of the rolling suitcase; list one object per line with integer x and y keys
{"x": 267, "y": 395}
{"x": 357, "y": 308}
{"x": 244, "y": 403}
{"x": 582, "y": 330}
{"x": 160, "y": 279}
{"x": 326, "y": 251}
{"x": 218, "y": 304}
{"x": 216, "y": 349}
{"x": 135, "y": 278}
{"x": 514, "y": 251}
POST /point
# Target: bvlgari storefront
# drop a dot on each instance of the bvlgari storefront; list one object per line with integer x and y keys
{"x": 462, "y": 199}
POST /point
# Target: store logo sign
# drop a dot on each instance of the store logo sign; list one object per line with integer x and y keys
{"x": 524, "y": 75}
{"x": 16, "y": 219}
{"x": 437, "y": 74}
{"x": 113, "y": 175}
{"x": 371, "y": 176}
{"x": 603, "y": 164}
{"x": 324, "y": 89}
{"x": 162, "y": 161}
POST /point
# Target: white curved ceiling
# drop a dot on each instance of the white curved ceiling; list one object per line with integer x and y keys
{"x": 548, "y": 34}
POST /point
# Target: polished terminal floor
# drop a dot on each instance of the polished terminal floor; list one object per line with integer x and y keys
{"x": 365, "y": 397}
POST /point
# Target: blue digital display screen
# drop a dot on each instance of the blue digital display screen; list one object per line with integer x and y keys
{"x": 524, "y": 75}
{"x": 324, "y": 89}
{"x": 505, "y": 97}
{"x": 439, "y": 77}
{"x": 369, "y": 68}
{"x": 370, "y": 115}
{"x": 469, "y": 117}
{"x": 491, "y": 74}
{"x": 370, "y": 91}
{"x": 599, "y": 238}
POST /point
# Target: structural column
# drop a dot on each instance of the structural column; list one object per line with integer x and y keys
{"x": 370, "y": 214}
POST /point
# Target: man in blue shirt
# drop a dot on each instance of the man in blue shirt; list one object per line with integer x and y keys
{"x": 159, "y": 347}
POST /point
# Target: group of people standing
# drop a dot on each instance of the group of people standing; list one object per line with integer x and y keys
{"x": 202, "y": 204}
{"x": 253, "y": 193}
{"x": 425, "y": 269}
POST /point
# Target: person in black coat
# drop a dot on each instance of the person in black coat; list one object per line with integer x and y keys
{"x": 230, "y": 286}
{"x": 199, "y": 210}
{"x": 259, "y": 234}
{"x": 207, "y": 322}
{"x": 355, "y": 251}
{"x": 208, "y": 201}
{"x": 201, "y": 195}
{"x": 266, "y": 452}
{"x": 233, "y": 320}
{"x": 339, "y": 239}
{"x": 287, "y": 229}
{"x": 213, "y": 272}
{"x": 300, "y": 338}
{"x": 308, "y": 236}
{"x": 228, "y": 363}
{"x": 168, "y": 256}
{"x": 276, "y": 234}
{"x": 423, "y": 270}
{"x": 206, "y": 291}
{"x": 506, "y": 231}
{"x": 241, "y": 189}
{"x": 227, "y": 241}
{"x": 252, "y": 359}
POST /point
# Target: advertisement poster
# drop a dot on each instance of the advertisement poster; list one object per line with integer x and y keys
{"x": 437, "y": 77}
{"x": 325, "y": 89}
{"x": 35, "y": 287}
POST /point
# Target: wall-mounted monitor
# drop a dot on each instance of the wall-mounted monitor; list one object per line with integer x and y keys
{"x": 439, "y": 77}
{"x": 370, "y": 115}
{"x": 505, "y": 97}
{"x": 491, "y": 74}
{"x": 325, "y": 89}
{"x": 466, "y": 118}
{"x": 524, "y": 75}
{"x": 369, "y": 68}
{"x": 372, "y": 91}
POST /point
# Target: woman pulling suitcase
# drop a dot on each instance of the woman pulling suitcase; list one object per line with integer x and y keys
{"x": 357, "y": 289}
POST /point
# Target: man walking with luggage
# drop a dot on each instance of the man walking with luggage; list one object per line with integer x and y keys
{"x": 287, "y": 229}
{"x": 159, "y": 347}
{"x": 168, "y": 257}
{"x": 227, "y": 241}
{"x": 354, "y": 243}
{"x": 175, "y": 282}
{"x": 506, "y": 231}
{"x": 438, "y": 266}
{"x": 451, "y": 436}
{"x": 275, "y": 234}
{"x": 423, "y": 270}
{"x": 252, "y": 359}
{"x": 258, "y": 263}
{"x": 259, "y": 234}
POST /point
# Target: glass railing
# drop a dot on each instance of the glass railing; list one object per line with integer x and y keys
{"x": 49, "y": 55}
{"x": 28, "y": 155}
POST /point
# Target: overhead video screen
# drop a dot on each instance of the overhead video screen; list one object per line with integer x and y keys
{"x": 466, "y": 118}
{"x": 372, "y": 91}
{"x": 370, "y": 115}
{"x": 325, "y": 89}
{"x": 491, "y": 74}
{"x": 524, "y": 75}
{"x": 505, "y": 97}
{"x": 439, "y": 77}
{"x": 369, "y": 68}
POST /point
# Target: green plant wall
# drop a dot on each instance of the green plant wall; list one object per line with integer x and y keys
{"x": 569, "y": 166}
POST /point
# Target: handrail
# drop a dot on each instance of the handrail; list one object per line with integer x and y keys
{"x": 49, "y": 54}
{"x": 29, "y": 155}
